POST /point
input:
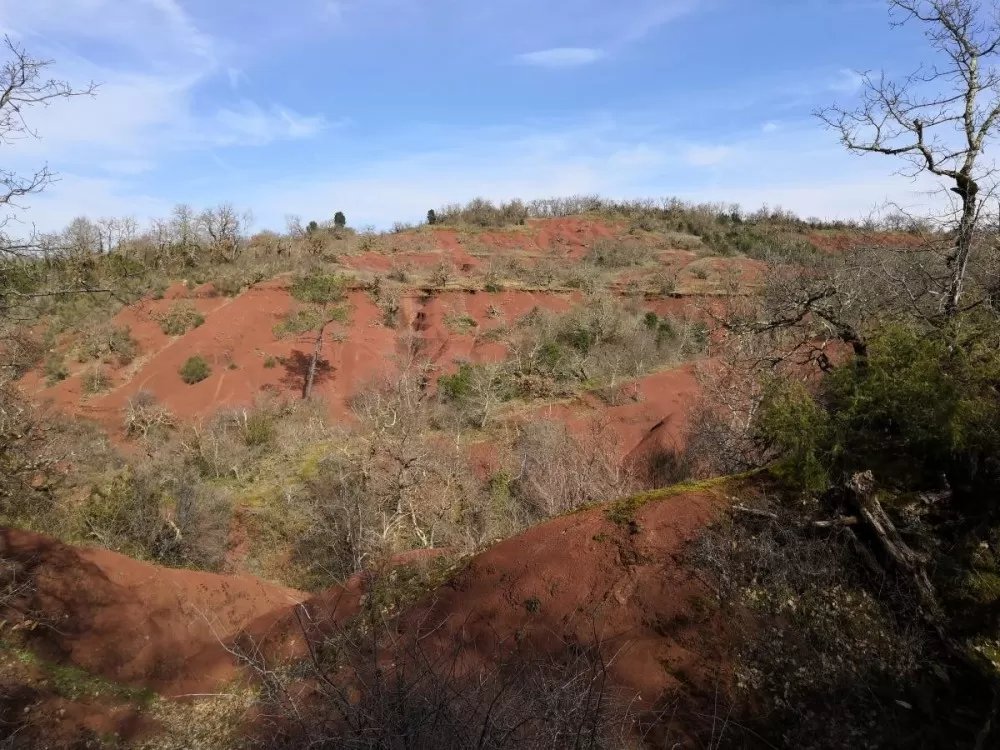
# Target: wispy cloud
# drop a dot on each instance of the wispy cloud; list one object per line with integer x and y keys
{"x": 845, "y": 81}
{"x": 252, "y": 125}
{"x": 562, "y": 57}
{"x": 707, "y": 156}
{"x": 151, "y": 60}
{"x": 648, "y": 20}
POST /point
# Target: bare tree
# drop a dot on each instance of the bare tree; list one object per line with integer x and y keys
{"x": 939, "y": 119}
{"x": 23, "y": 85}
{"x": 225, "y": 228}
{"x": 185, "y": 233}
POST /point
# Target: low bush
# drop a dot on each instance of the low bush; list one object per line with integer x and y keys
{"x": 181, "y": 318}
{"x": 460, "y": 324}
{"x": 106, "y": 341}
{"x": 297, "y": 322}
{"x": 320, "y": 288}
{"x": 95, "y": 380}
{"x": 441, "y": 274}
{"x": 608, "y": 253}
{"x": 55, "y": 368}
{"x": 194, "y": 370}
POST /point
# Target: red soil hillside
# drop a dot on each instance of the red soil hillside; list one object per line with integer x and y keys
{"x": 587, "y": 579}
{"x": 609, "y": 572}
{"x": 132, "y": 622}
{"x": 610, "y": 576}
{"x": 248, "y": 359}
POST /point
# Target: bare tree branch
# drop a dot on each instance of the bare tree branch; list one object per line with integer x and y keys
{"x": 938, "y": 119}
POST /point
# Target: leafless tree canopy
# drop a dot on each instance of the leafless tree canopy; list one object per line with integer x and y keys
{"x": 940, "y": 119}
{"x": 23, "y": 85}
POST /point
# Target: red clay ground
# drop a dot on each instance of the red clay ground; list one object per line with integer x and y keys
{"x": 582, "y": 578}
{"x": 578, "y": 581}
{"x": 248, "y": 360}
{"x": 132, "y": 622}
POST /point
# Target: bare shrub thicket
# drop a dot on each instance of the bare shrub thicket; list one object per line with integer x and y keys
{"x": 144, "y": 417}
{"x": 616, "y": 254}
{"x": 234, "y": 442}
{"x": 26, "y": 457}
{"x": 158, "y": 509}
{"x": 832, "y": 659}
{"x": 394, "y": 487}
{"x": 484, "y": 213}
{"x": 558, "y": 471}
{"x": 372, "y": 689}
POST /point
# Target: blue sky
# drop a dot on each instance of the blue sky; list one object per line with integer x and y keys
{"x": 385, "y": 108}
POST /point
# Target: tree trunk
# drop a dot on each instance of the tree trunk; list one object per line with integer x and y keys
{"x": 969, "y": 191}
{"x": 862, "y": 493}
{"x": 317, "y": 350}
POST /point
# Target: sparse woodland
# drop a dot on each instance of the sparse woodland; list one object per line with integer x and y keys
{"x": 847, "y": 378}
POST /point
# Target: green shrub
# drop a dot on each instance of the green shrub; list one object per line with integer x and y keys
{"x": 339, "y": 220}
{"x": 457, "y": 386}
{"x": 921, "y": 405}
{"x": 297, "y": 322}
{"x": 460, "y": 323}
{"x": 122, "y": 345}
{"x": 233, "y": 284}
{"x": 270, "y": 363}
{"x": 195, "y": 370}
{"x": 181, "y": 318}
{"x": 319, "y": 288}
{"x": 159, "y": 289}
{"x": 793, "y": 424}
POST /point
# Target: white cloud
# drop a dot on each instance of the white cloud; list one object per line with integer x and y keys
{"x": 562, "y": 57}
{"x": 146, "y": 107}
{"x": 845, "y": 82}
{"x": 707, "y": 156}
{"x": 251, "y": 125}
{"x": 769, "y": 127}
